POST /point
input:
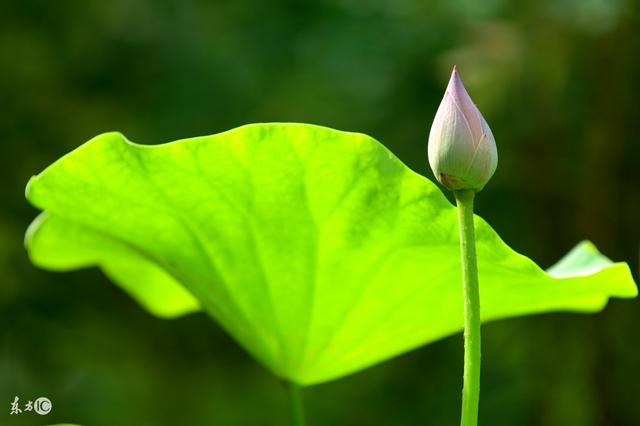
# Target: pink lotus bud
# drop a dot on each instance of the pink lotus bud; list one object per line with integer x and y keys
{"x": 462, "y": 150}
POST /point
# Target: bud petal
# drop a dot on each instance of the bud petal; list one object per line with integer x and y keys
{"x": 462, "y": 150}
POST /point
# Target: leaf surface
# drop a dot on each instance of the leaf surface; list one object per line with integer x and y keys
{"x": 318, "y": 250}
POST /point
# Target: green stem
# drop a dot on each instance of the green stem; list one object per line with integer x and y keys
{"x": 471, "y": 292}
{"x": 295, "y": 404}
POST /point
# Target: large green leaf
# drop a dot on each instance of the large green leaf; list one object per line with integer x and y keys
{"x": 318, "y": 250}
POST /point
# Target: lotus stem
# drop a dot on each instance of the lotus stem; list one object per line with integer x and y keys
{"x": 471, "y": 294}
{"x": 295, "y": 404}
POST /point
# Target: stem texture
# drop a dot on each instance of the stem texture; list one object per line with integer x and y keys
{"x": 295, "y": 404}
{"x": 471, "y": 294}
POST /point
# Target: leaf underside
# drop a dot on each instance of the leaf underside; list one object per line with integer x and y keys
{"x": 318, "y": 250}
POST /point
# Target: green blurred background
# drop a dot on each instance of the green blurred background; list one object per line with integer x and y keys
{"x": 558, "y": 81}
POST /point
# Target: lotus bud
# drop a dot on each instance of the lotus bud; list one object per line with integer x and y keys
{"x": 462, "y": 150}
